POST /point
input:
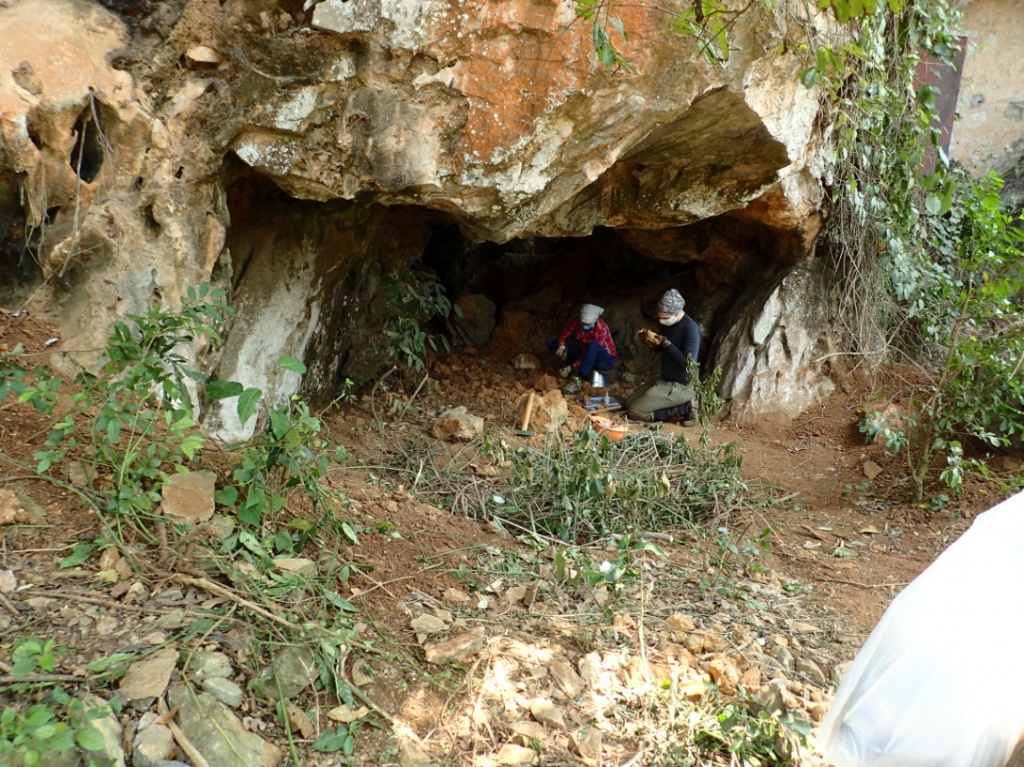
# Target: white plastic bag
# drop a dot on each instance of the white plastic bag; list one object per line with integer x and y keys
{"x": 940, "y": 681}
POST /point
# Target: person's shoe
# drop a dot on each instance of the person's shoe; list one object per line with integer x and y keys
{"x": 565, "y": 372}
{"x": 572, "y": 387}
{"x": 690, "y": 422}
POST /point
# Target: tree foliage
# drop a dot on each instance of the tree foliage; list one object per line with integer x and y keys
{"x": 927, "y": 265}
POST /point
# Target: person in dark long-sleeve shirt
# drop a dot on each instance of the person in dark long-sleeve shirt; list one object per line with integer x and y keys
{"x": 671, "y": 396}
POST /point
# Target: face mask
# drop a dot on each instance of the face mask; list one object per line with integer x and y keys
{"x": 587, "y": 327}
{"x": 670, "y": 321}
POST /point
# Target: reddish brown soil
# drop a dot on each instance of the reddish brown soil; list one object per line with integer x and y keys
{"x": 845, "y": 543}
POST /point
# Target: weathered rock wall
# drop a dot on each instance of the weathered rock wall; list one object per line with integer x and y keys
{"x": 299, "y": 158}
{"x": 989, "y": 134}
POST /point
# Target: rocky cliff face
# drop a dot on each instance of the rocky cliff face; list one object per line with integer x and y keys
{"x": 299, "y": 158}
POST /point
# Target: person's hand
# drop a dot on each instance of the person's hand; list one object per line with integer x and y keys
{"x": 650, "y": 338}
{"x": 560, "y": 353}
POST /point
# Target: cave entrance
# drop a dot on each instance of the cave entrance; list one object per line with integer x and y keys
{"x": 336, "y": 280}
{"x": 712, "y": 263}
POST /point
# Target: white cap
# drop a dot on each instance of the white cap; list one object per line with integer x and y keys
{"x": 589, "y": 313}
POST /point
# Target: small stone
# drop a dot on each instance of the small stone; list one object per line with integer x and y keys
{"x": 871, "y": 469}
{"x": 817, "y": 711}
{"x": 112, "y": 752}
{"x": 217, "y": 733}
{"x": 511, "y": 753}
{"x": 694, "y": 642}
{"x": 412, "y": 754}
{"x": 715, "y": 643}
{"x": 221, "y": 525}
{"x": 680, "y": 621}
{"x": 8, "y": 582}
{"x": 108, "y": 559}
{"x": 549, "y": 715}
{"x": 299, "y": 565}
{"x": 175, "y": 619}
{"x": 292, "y": 671}
{"x": 188, "y": 497}
{"x": 147, "y": 678}
{"x": 77, "y": 474}
{"x": 427, "y": 624}
{"x": 153, "y": 743}
{"x": 526, "y": 731}
{"x": 772, "y": 697}
{"x": 456, "y": 648}
{"x": 458, "y": 424}
{"x": 34, "y": 514}
{"x": 456, "y": 596}
{"x": 566, "y": 676}
{"x": 362, "y": 673}
{"x": 347, "y": 715}
{"x": 725, "y": 674}
{"x": 694, "y": 688}
{"x": 783, "y": 656}
{"x": 515, "y": 594}
{"x": 751, "y": 678}
{"x": 10, "y": 507}
{"x": 224, "y": 690}
{"x": 811, "y": 671}
{"x": 590, "y": 667}
{"x": 209, "y": 665}
{"x": 138, "y": 593}
{"x": 839, "y": 671}
{"x": 107, "y": 625}
{"x": 588, "y": 743}
{"x": 803, "y": 628}
{"x": 526, "y": 361}
{"x": 203, "y": 54}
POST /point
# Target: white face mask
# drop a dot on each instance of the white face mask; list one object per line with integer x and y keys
{"x": 671, "y": 320}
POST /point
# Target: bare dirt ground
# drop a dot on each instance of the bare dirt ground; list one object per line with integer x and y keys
{"x": 545, "y": 679}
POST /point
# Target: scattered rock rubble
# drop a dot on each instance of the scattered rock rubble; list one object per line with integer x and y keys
{"x": 541, "y": 686}
{"x": 548, "y": 671}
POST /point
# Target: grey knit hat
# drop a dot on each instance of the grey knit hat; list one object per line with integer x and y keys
{"x": 672, "y": 302}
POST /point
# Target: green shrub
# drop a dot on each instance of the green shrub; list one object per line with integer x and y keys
{"x": 414, "y": 298}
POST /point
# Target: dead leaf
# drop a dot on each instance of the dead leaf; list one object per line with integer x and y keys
{"x": 298, "y": 720}
{"x": 869, "y": 530}
{"x": 109, "y": 558}
{"x": 167, "y": 718}
{"x": 347, "y": 715}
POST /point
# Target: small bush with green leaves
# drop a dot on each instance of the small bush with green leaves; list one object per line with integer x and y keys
{"x": 752, "y": 739}
{"x": 34, "y": 735}
{"x": 132, "y": 425}
{"x": 134, "y": 421}
{"x": 414, "y": 298}
{"x": 583, "y": 489}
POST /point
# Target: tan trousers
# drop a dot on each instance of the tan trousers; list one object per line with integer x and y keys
{"x": 659, "y": 395}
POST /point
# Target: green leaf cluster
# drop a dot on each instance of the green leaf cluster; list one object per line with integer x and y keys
{"x": 54, "y": 727}
{"x": 414, "y": 298}
{"x": 930, "y": 262}
{"x": 753, "y": 738}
